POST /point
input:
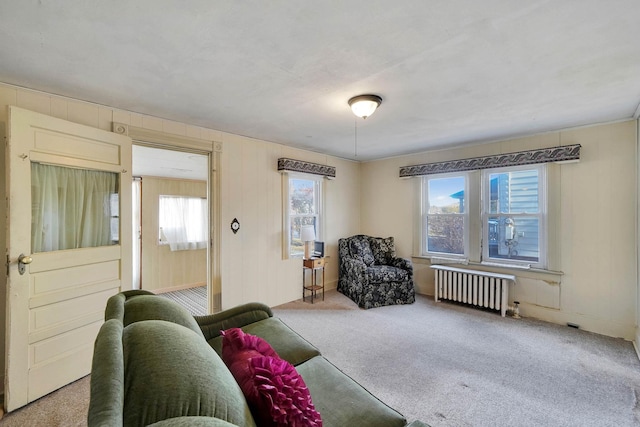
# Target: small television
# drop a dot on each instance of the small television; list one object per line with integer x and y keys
{"x": 318, "y": 250}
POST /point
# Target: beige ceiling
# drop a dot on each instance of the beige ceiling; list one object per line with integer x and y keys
{"x": 451, "y": 73}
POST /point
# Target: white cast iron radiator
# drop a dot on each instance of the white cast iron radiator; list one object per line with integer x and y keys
{"x": 473, "y": 287}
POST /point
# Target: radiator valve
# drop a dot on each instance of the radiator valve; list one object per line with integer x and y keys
{"x": 514, "y": 310}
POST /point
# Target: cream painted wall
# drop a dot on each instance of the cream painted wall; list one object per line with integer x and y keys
{"x": 164, "y": 270}
{"x": 596, "y": 226}
{"x": 252, "y": 268}
{"x": 252, "y": 193}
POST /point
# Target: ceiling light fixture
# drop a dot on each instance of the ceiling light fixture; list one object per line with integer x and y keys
{"x": 364, "y": 105}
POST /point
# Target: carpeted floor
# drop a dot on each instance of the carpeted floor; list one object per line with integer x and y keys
{"x": 66, "y": 407}
{"x": 451, "y": 365}
{"x": 193, "y": 299}
{"x": 446, "y": 365}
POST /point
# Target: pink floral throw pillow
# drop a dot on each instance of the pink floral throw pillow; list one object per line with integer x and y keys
{"x": 273, "y": 388}
{"x": 283, "y": 398}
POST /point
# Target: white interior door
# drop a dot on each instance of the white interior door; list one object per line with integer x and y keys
{"x": 56, "y": 305}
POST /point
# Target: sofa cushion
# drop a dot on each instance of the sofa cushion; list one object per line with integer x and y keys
{"x": 289, "y": 345}
{"x": 192, "y": 422}
{"x": 357, "y": 407}
{"x": 383, "y": 250}
{"x": 360, "y": 249}
{"x": 152, "y": 307}
{"x": 386, "y": 273}
{"x": 170, "y": 371}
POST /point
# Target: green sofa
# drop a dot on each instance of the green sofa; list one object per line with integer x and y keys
{"x": 155, "y": 364}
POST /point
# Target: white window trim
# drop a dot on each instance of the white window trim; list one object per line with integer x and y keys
{"x": 542, "y": 215}
{"x": 286, "y": 217}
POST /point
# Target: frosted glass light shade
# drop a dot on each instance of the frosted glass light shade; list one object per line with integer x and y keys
{"x": 307, "y": 233}
{"x": 364, "y": 105}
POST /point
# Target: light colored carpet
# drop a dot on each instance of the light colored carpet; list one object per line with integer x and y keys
{"x": 446, "y": 365}
{"x": 451, "y": 365}
{"x": 66, "y": 407}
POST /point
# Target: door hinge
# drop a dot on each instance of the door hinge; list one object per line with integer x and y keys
{"x": 8, "y": 262}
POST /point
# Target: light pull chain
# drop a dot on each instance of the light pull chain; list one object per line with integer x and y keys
{"x": 355, "y": 124}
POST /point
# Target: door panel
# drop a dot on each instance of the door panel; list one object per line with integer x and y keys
{"x": 56, "y": 307}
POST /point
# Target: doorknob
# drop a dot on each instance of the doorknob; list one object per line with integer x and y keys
{"x": 22, "y": 261}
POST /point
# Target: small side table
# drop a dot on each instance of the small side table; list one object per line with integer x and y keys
{"x": 313, "y": 264}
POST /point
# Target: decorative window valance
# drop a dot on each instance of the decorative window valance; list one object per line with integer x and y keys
{"x": 542, "y": 155}
{"x": 292, "y": 165}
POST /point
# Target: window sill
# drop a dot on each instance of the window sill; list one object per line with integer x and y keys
{"x": 520, "y": 271}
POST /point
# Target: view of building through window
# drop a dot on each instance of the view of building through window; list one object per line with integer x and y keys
{"x": 513, "y": 219}
{"x": 512, "y": 211}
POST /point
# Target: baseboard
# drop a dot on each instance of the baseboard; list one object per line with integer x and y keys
{"x": 636, "y": 341}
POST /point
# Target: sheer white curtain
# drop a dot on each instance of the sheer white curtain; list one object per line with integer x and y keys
{"x": 71, "y": 208}
{"x": 183, "y": 222}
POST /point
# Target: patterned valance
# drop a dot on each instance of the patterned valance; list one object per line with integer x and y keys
{"x": 292, "y": 165}
{"x": 542, "y": 155}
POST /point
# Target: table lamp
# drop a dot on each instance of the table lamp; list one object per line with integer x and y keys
{"x": 307, "y": 235}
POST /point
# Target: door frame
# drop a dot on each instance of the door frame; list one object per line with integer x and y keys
{"x": 156, "y": 139}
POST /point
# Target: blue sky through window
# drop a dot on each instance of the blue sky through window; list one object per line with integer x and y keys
{"x": 441, "y": 189}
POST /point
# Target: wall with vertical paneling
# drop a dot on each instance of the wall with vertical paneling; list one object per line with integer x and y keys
{"x": 252, "y": 268}
{"x": 595, "y": 232}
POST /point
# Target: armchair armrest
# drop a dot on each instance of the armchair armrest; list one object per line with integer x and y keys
{"x": 403, "y": 263}
{"x": 235, "y": 317}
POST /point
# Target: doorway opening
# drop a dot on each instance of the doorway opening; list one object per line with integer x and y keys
{"x": 171, "y": 254}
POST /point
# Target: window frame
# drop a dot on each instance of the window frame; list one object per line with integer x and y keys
{"x": 424, "y": 248}
{"x": 288, "y": 216}
{"x": 541, "y": 215}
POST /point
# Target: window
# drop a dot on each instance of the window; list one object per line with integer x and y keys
{"x": 304, "y": 208}
{"x": 497, "y": 216}
{"x": 73, "y": 208}
{"x": 183, "y": 222}
{"x": 445, "y": 217}
{"x": 514, "y": 215}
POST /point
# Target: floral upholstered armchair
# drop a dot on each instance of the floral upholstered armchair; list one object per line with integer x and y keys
{"x": 371, "y": 274}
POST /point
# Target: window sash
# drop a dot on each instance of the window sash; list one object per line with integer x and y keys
{"x": 293, "y": 247}
{"x": 183, "y": 222}
{"x": 440, "y": 245}
{"x": 517, "y": 251}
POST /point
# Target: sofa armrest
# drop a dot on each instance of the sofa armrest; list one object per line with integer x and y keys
{"x": 107, "y": 377}
{"x": 235, "y": 317}
{"x": 115, "y": 304}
